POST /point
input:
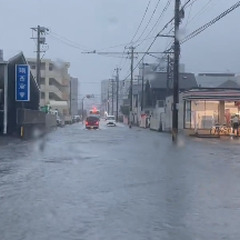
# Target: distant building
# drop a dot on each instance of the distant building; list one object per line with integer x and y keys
{"x": 214, "y": 80}
{"x": 160, "y": 86}
{"x": 161, "y": 66}
{"x": 54, "y": 83}
{"x": 74, "y": 96}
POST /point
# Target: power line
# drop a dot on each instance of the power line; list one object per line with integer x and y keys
{"x": 122, "y": 65}
{"x": 78, "y": 46}
{"x": 67, "y": 40}
{"x": 155, "y": 38}
{"x": 153, "y": 13}
{"x": 189, "y": 14}
{"x": 142, "y": 57}
{"x": 67, "y": 43}
{"x": 143, "y": 17}
{"x": 201, "y": 11}
{"x": 210, "y": 23}
{"x": 159, "y": 18}
{"x": 75, "y": 46}
{"x": 172, "y": 19}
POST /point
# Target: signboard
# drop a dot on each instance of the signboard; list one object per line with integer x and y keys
{"x": 22, "y": 82}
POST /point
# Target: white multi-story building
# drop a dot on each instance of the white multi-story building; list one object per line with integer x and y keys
{"x": 55, "y": 84}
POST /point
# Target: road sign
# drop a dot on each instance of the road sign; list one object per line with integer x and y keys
{"x": 22, "y": 81}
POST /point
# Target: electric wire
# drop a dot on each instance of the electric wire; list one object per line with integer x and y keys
{"x": 67, "y": 40}
{"x": 153, "y": 13}
{"x": 210, "y": 23}
{"x": 158, "y": 20}
{"x": 143, "y": 17}
{"x": 200, "y": 12}
{"x": 155, "y": 38}
{"x": 135, "y": 34}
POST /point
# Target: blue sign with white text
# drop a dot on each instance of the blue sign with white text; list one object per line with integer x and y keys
{"x": 22, "y": 82}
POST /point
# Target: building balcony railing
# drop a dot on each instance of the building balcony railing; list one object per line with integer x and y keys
{"x": 60, "y": 78}
{"x": 56, "y": 91}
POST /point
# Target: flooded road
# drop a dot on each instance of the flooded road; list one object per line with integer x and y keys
{"x": 116, "y": 183}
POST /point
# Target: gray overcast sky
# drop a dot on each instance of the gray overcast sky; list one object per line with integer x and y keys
{"x": 100, "y": 24}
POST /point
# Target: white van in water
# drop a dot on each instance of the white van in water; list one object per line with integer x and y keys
{"x": 111, "y": 121}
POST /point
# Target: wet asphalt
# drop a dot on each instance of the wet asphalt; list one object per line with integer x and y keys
{"x": 119, "y": 183}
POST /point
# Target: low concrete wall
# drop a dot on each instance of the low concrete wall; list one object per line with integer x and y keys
{"x": 28, "y": 116}
{"x": 154, "y": 124}
{"x": 33, "y": 123}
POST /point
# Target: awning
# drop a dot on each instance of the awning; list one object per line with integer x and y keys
{"x": 212, "y": 94}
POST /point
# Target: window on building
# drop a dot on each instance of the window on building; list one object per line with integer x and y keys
{"x": 160, "y": 103}
{"x": 42, "y": 81}
{"x": 200, "y": 114}
{"x": 51, "y": 81}
{"x": 43, "y": 95}
{"x": 42, "y": 66}
{"x": 50, "y": 67}
{"x": 187, "y": 114}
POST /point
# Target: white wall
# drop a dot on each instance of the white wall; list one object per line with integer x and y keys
{"x": 168, "y": 113}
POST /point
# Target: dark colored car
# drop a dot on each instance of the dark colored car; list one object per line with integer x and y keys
{"x": 76, "y": 118}
{"x": 92, "y": 122}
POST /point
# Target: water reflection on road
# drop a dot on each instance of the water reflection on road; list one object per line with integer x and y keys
{"x": 116, "y": 183}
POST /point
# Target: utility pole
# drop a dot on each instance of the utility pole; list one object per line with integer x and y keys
{"x": 117, "y": 94}
{"x": 142, "y": 85}
{"x": 38, "y": 56}
{"x": 176, "y": 73}
{"x": 112, "y": 81}
{"x": 168, "y": 74}
{"x": 82, "y": 110}
{"x": 131, "y": 52}
{"x": 108, "y": 103}
{"x": 41, "y": 40}
{"x": 131, "y": 88}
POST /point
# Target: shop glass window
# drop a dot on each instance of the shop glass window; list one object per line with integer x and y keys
{"x": 187, "y": 123}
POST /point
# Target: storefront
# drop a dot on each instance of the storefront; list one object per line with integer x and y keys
{"x": 205, "y": 108}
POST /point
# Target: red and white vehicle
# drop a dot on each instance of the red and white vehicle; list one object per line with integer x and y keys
{"x": 94, "y": 112}
{"x": 92, "y": 122}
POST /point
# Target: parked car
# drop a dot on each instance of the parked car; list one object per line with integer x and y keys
{"x": 76, "y": 118}
{"x": 111, "y": 122}
{"x": 92, "y": 122}
{"x": 60, "y": 122}
{"x": 68, "y": 119}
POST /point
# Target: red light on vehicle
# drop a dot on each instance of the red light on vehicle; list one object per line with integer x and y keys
{"x": 97, "y": 123}
{"x": 86, "y": 123}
